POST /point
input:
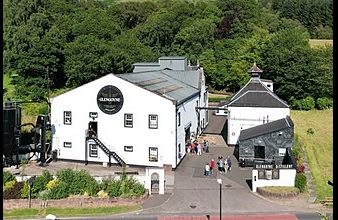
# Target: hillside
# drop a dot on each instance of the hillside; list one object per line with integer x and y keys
{"x": 318, "y": 146}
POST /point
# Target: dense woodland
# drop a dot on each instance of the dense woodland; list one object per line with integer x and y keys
{"x": 59, "y": 44}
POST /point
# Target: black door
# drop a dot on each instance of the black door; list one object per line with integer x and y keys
{"x": 92, "y": 128}
{"x": 259, "y": 152}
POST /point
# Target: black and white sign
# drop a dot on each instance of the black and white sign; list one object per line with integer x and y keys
{"x": 110, "y": 99}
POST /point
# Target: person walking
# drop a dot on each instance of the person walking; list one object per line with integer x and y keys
{"x": 225, "y": 166}
{"x": 220, "y": 165}
{"x": 206, "y": 146}
{"x": 212, "y": 165}
{"x": 229, "y": 163}
{"x": 199, "y": 149}
{"x": 207, "y": 170}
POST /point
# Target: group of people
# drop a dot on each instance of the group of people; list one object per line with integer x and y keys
{"x": 196, "y": 148}
{"x": 223, "y": 166}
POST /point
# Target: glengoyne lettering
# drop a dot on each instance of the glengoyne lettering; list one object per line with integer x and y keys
{"x": 110, "y": 99}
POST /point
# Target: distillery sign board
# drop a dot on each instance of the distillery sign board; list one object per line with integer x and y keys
{"x": 110, "y": 99}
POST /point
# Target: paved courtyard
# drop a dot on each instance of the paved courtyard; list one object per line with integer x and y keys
{"x": 195, "y": 193}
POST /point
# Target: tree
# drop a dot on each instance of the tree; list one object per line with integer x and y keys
{"x": 86, "y": 59}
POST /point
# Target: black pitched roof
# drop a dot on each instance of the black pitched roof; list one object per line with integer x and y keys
{"x": 266, "y": 128}
{"x": 256, "y": 94}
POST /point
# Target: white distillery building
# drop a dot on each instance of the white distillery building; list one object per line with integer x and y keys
{"x": 142, "y": 118}
{"x": 253, "y": 105}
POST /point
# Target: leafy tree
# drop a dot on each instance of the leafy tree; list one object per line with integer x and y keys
{"x": 86, "y": 59}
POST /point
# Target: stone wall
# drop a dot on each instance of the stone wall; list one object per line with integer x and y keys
{"x": 76, "y": 202}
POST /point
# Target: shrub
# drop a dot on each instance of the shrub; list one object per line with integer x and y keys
{"x": 7, "y": 176}
{"x": 324, "y": 103}
{"x": 40, "y": 183}
{"x": 51, "y": 184}
{"x": 113, "y": 188}
{"x": 45, "y": 194}
{"x": 60, "y": 191}
{"x": 25, "y": 191}
{"x": 307, "y": 103}
{"x": 300, "y": 182}
{"x": 300, "y": 168}
{"x": 102, "y": 194}
{"x": 9, "y": 185}
{"x": 78, "y": 182}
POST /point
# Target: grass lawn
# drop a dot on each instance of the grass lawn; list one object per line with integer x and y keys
{"x": 315, "y": 43}
{"x": 217, "y": 97}
{"x": 59, "y": 212}
{"x": 318, "y": 146}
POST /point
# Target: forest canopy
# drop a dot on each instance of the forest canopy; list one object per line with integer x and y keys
{"x": 60, "y": 44}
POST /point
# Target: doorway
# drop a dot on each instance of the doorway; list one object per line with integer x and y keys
{"x": 259, "y": 152}
{"x": 155, "y": 183}
{"x": 92, "y": 129}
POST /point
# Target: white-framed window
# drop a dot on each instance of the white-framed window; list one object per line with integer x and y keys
{"x": 179, "y": 119}
{"x": 153, "y": 154}
{"x": 153, "y": 121}
{"x": 128, "y": 148}
{"x": 67, "y": 144}
{"x": 67, "y": 117}
{"x": 93, "y": 150}
{"x": 128, "y": 120}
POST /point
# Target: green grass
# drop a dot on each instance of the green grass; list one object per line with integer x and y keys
{"x": 315, "y": 43}
{"x": 280, "y": 189}
{"x": 218, "y": 97}
{"x": 318, "y": 146}
{"x": 62, "y": 212}
{"x": 8, "y": 87}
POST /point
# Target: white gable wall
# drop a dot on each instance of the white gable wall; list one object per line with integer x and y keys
{"x": 111, "y": 130}
{"x": 240, "y": 118}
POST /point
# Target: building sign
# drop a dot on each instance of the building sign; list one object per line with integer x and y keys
{"x": 271, "y": 166}
{"x": 92, "y": 115}
{"x": 110, "y": 100}
{"x": 153, "y": 154}
{"x": 282, "y": 152}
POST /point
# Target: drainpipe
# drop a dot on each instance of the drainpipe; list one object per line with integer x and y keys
{"x": 176, "y": 135}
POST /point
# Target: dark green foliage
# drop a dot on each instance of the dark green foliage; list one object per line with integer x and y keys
{"x": 300, "y": 182}
{"x": 125, "y": 187}
{"x": 307, "y": 103}
{"x": 324, "y": 103}
{"x": 74, "y": 42}
{"x": 78, "y": 182}
{"x": 60, "y": 191}
{"x": 7, "y": 176}
{"x": 40, "y": 183}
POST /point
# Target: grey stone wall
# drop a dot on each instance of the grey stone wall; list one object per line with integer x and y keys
{"x": 272, "y": 142}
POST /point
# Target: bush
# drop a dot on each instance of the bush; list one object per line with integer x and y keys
{"x": 51, "y": 184}
{"x": 324, "y": 103}
{"x": 40, "y": 183}
{"x": 7, "y": 176}
{"x": 300, "y": 182}
{"x": 113, "y": 188}
{"x": 14, "y": 192}
{"x": 300, "y": 168}
{"x": 9, "y": 185}
{"x": 78, "y": 182}
{"x": 307, "y": 103}
{"x": 60, "y": 191}
{"x": 25, "y": 191}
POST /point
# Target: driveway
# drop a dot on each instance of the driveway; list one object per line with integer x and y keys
{"x": 195, "y": 193}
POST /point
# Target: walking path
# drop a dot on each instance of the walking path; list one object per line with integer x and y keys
{"x": 195, "y": 193}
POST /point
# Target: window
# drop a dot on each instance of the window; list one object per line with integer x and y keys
{"x": 128, "y": 120}
{"x": 93, "y": 151}
{"x": 153, "y": 154}
{"x": 67, "y": 144}
{"x": 128, "y": 148}
{"x": 179, "y": 118}
{"x": 67, "y": 117}
{"x": 153, "y": 122}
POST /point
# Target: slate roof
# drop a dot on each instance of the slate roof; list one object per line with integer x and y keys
{"x": 267, "y": 128}
{"x": 256, "y": 94}
{"x": 165, "y": 83}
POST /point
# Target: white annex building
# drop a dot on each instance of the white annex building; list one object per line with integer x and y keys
{"x": 142, "y": 118}
{"x": 253, "y": 105}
